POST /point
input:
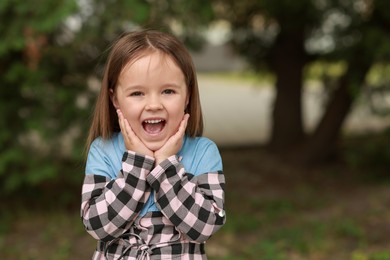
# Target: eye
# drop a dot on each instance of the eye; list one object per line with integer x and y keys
{"x": 136, "y": 94}
{"x": 169, "y": 91}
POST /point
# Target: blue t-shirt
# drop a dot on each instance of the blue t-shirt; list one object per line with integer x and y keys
{"x": 198, "y": 155}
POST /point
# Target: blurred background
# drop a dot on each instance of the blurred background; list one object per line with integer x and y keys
{"x": 295, "y": 93}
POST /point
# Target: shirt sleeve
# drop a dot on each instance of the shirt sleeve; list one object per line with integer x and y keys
{"x": 194, "y": 204}
{"x": 110, "y": 206}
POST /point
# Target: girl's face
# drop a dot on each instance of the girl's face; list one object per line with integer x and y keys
{"x": 152, "y": 95}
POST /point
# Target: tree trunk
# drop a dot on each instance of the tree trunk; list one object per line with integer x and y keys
{"x": 287, "y": 61}
{"x": 322, "y": 144}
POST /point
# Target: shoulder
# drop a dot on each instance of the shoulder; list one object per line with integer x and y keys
{"x": 105, "y": 155}
{"x": 199, "y": 143}
{"x": 106, "y": 145}
{"x": 201, "y": 155}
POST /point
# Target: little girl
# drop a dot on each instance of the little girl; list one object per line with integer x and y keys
{"x": 154, "y": 188}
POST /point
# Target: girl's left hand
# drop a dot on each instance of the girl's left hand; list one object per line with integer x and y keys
{"x": 173, "y": 144}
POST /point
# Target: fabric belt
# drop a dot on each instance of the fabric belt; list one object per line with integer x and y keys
{"x": 143, "y": 250}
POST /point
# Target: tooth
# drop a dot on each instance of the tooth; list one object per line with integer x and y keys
{"x": 153, "y": 121}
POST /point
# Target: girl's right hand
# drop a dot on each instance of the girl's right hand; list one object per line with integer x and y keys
{"x": 132, "y": 142}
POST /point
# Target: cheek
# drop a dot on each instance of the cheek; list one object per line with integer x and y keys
{"x": 130, "y": 112}
{"x": 183, "y": 105}
{"x": 179, "y": 110}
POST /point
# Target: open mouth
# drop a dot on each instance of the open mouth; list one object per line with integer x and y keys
{"x": 153, "y": 126}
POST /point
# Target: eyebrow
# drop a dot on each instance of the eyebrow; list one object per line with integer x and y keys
{"x": 175, "y": 85}
{"x": 172, "y": 84}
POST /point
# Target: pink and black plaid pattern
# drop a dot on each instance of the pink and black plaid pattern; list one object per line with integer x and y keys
{"x": 160, "y": 240}
{"x": 191, "y": 210}
{"x": 109, "y": 207}
{"x": 192, "y": 203}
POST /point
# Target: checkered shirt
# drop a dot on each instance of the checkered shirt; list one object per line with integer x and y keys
{"x": 191, "y": 210}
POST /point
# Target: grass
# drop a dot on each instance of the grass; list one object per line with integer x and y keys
{"x": 274, "y": 212}
{"x": 277, "y": 212}
{"x": 44, "y": 235}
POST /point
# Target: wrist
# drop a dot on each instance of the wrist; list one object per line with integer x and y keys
{"x": 159, "y": 159}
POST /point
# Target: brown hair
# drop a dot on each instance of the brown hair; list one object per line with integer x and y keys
{"x": 127, "y": 48}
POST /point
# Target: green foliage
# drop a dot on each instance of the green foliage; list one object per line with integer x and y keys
{"x": 385, "y": 255}
{"x": 42, "y": 78}
{"x": 18, "y": 16}
{"x": 28, "y": 114}
{"x": 349, "y": 229}
{"x": 48, "y": 57}
{"x": 242, "y": 223}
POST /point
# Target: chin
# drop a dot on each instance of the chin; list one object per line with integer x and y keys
{"x": 154, "y": 146}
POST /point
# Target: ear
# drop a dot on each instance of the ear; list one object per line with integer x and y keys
{"x": 113, "y": 98}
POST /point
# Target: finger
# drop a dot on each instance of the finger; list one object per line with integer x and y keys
{"x": 119, "y": 118}
{"x": 183, "y": 124}
{"x": 125, "y": 130}
{"x": 129, "y": 130}
{"x": 119, "y": 112}
{"x": 181, "y": 130}
{"x": 121, "y": 122}
{"x": 136, "y": 144}
{"x": 131, "y": 135}
{"x": 186, "y": 118}
{"x": 174, "y": 143}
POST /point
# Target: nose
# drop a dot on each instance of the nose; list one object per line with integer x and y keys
{"x": 153, "y": 103}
